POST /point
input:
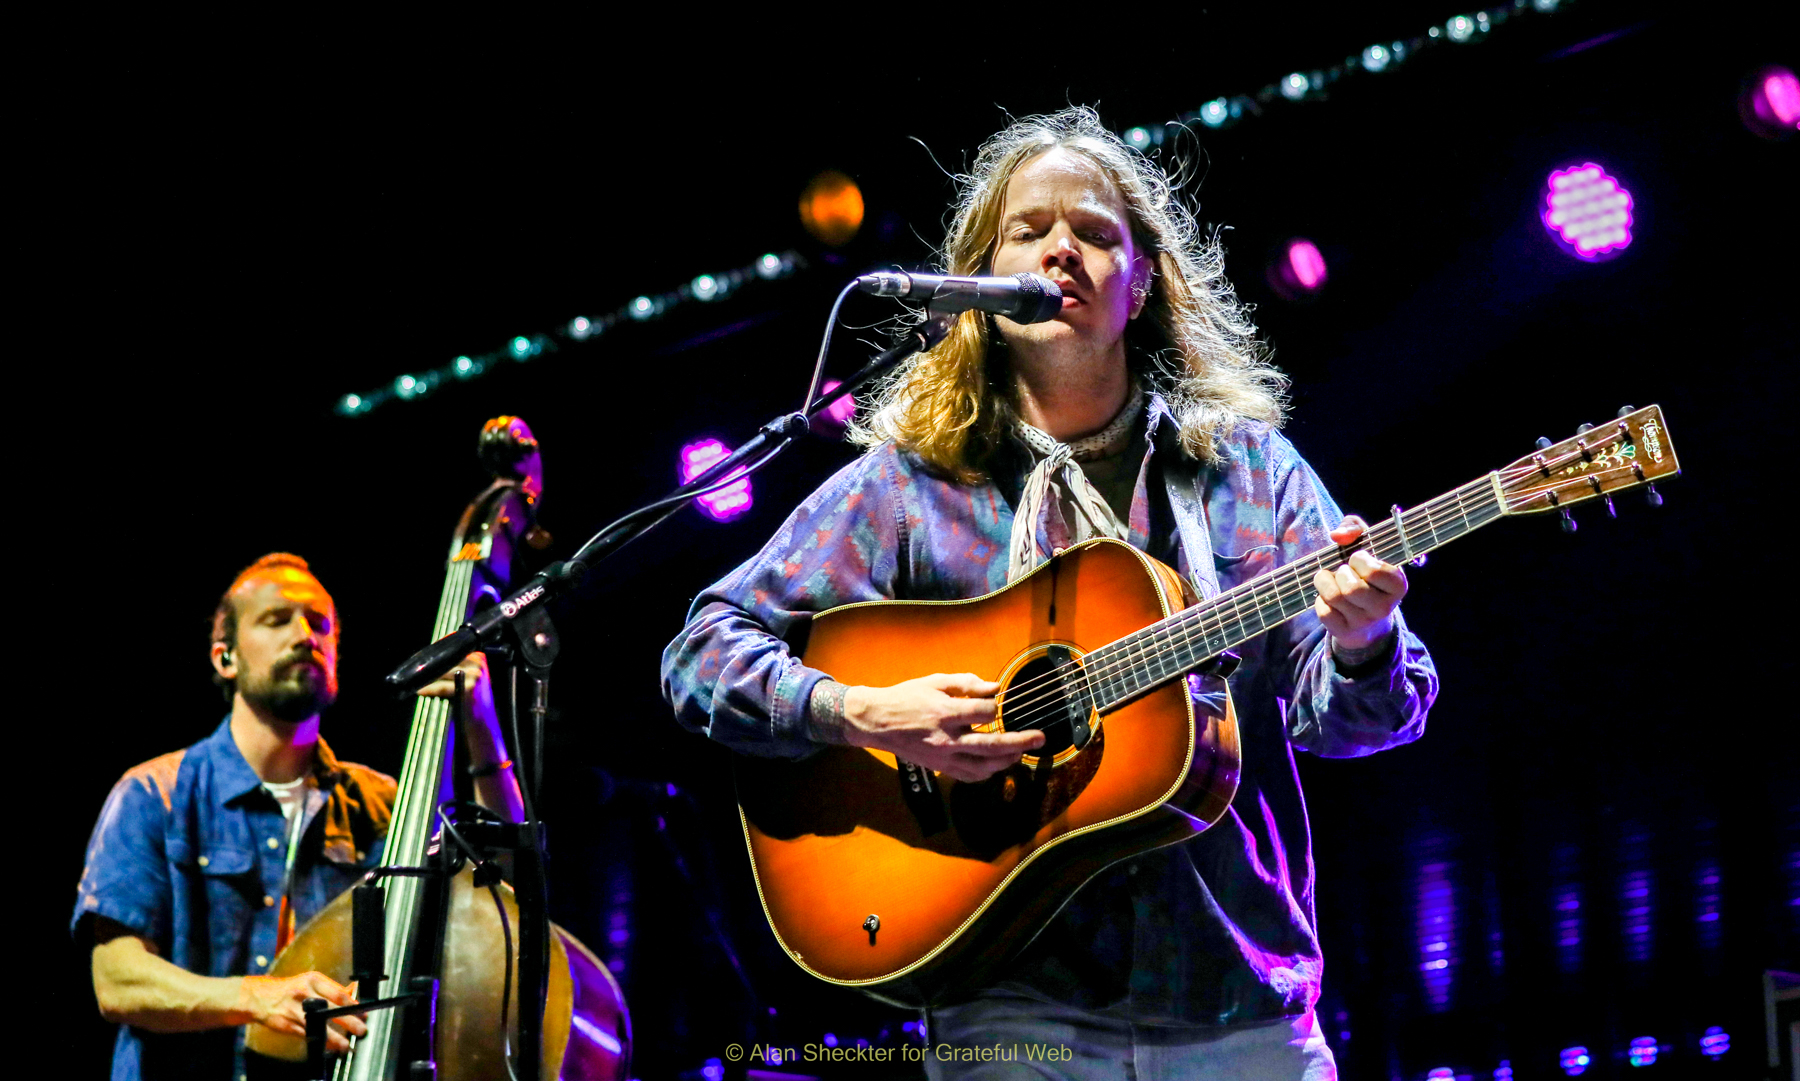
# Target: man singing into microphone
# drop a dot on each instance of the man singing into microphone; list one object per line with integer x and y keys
{"x": 205, "y": 861}
{"x": 1144, "y": 411}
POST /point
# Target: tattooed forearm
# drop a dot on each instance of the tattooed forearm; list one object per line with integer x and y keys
{"x": 825, "y": 713}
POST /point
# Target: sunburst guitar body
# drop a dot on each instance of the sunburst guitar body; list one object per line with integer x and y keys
{"x": 867, "y": 886}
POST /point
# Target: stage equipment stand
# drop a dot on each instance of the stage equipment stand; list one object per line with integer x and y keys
{"x": 521, "y": 622}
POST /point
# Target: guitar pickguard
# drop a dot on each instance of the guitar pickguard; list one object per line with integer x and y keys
{"x": 1009, "y": 807}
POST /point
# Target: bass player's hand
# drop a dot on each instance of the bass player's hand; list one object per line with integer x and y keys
{"x": 928, "y": 721}
{"x": 275, "y": 1001}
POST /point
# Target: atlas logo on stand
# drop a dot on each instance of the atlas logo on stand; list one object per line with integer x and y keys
{"x": 523, "y": 601}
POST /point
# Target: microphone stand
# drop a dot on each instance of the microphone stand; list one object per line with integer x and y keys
{"x": 521, "y": 622}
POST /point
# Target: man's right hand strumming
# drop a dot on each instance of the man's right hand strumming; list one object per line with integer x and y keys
{"x": 928, "y": 721}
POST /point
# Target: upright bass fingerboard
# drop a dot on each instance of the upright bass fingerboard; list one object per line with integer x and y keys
{"x": 373, "y": 1057}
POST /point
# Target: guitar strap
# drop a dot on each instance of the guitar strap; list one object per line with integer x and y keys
{"x": 1183, "y": 477}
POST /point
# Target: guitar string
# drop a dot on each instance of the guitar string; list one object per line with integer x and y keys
{"x": 1206, "y": 621}
{"x": 1210, "y": 618}
{"x": 1283, "y": 585}
{"x": 1375, "y": 538}
{"x": 1287, "y": 584}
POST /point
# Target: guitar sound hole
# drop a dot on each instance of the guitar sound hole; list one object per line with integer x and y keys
{"x": 1006, "y": 809}
{"x": 1037, "y": 697}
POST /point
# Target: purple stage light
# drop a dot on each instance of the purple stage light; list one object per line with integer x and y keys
{"x": 726, "y": 503}
{"x": 1770, "y": 103}
{"x": 1637, "y": 895}
{"x": 1706, "y": 905}
{"x": 1435, "y": 920}
{"x": 1503, "y": 1072}
{"x": 1588, "y": 212}
{"x": 1441, "y": 1073}
{"x": 1298, "y": 269}
{"x": 1574, "y": 1061}
{"x": 1643, "y": 1051}
{"x": 1715, "y": 1042}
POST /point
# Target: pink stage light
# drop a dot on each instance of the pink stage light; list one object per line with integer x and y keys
{"x": 726, "y": 503}
{"x": 1588, "y": 212}
{"x": 1298, "y": 271}
{"x": 840, "y": 411}
{"x": 1306, "y": 263}
{"x": 1770, "y": 104}
{"x": 1782, "y": 93}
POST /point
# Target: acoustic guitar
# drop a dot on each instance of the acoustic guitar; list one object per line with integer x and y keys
{"x": 879, "y": 875}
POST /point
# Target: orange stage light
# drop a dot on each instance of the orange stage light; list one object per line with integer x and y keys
{"x": 831, "y": 208}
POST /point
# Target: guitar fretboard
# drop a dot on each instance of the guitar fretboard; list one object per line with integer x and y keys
{"x": 1167, "y": 650}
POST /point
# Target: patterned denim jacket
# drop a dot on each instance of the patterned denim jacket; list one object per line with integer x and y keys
{"x": 1219, "y": 930}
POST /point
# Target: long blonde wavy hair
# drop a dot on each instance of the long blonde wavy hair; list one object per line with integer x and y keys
{"x": 954, "y": 405}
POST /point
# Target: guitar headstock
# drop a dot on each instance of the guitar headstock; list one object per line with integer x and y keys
{"x": 1632, "y": 451}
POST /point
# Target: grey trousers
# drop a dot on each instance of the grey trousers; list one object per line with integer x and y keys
{"x": 1010, "y": 1036}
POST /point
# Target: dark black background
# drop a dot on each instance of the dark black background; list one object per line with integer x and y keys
{"x": 224, "y": 237}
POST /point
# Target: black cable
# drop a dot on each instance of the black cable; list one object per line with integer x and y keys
{"x": 812, "y": 394}
{"x": 537, "y": 838}
{"x": 512, "y": 722}
{"x": 683, "y": 497}
{"x": 540, "y": 689}
{"x": 812, "y": 389}
{"x": 493, "y": 889}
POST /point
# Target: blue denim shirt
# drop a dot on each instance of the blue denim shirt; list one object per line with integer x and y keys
{"x": 1219, "y": 930}
{"x": 190, "y": 853}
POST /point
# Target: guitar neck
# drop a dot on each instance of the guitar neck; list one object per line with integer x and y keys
{"x": 1144, "y": 660}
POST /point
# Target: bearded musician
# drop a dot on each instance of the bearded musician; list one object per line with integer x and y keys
{"x": 206, "y": 860}
{"x": 1145, "y": 411}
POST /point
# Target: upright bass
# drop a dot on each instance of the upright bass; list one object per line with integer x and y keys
{"x": 586, "y": 1032}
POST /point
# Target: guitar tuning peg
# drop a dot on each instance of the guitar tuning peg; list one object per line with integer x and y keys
{"x": 1652, "y": 496}
{"x": 1584, "y": 429}
{"x": 1605, "y": 496}
{"x": 1626, "y": 411}
{"x": 1543, "y": 442}
{"x": 1569, "y": 524}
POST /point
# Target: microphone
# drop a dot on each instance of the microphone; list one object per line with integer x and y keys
{"x": 1023, "y": 298}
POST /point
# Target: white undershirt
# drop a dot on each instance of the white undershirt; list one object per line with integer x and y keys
{"x": 292, "y": 797}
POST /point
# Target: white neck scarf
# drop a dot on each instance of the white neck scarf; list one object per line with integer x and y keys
{"x": 1058, "y": 484}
